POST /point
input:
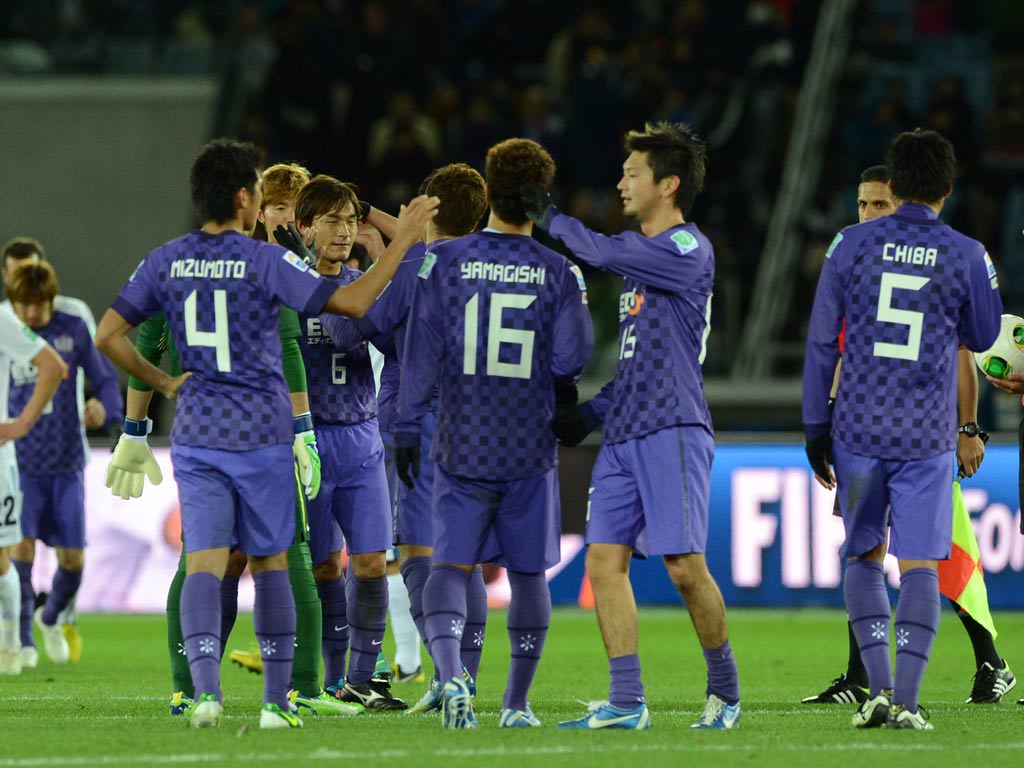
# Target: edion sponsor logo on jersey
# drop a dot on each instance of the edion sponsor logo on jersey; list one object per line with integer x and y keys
{"x": 630, "y": 303}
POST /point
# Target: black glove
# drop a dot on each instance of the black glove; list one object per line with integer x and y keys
{"x": 819, "y": 454}
{"x": 406, "y": 458}
{"x": 569, "y": 425}
{"x": 292, "y": 240}
{"x": 537, "y": 204}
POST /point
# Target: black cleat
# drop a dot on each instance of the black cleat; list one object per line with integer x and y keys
{"x": 839, "y": 691}
{"x": 374, "y": 694}
{"x": 990, "y": 684}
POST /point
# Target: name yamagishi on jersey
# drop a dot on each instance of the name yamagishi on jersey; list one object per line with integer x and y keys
{"x": 497, "y": 320}
{"x": 664, "y": 322}
{"x": 911, "y": 290}
{"x": 223, "y": 332}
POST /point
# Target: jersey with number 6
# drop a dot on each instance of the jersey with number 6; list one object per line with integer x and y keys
{"x": 220, "y": 295}
{"x": 664, "y": 319}
{"x": 497, "y": 320}
{"x": 911, "y": 289}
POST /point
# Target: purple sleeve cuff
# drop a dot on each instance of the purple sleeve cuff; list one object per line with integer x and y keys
{"x": 320, "y": 297}
{"x": 127, "y": 311}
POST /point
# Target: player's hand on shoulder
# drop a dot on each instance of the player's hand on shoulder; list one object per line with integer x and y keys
{"x": 370, "y": 238}
{"x": 292, "y": 239}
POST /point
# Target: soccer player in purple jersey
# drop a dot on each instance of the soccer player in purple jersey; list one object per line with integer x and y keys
{"x": 911, "y": 290}
{"x": 51, "y": 457}
{"x": 354, "y": 501}
{"x": 463, "y": 195}
{"x": 650, "y": 485}
{"x": 28, "y": 250}
{"x": 231, "y": 445}
{"x": 18, "y": 344}
{"x": 499, "y": 322}
{"x": 993, "y": 676}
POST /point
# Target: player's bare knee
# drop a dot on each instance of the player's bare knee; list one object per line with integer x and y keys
{"x": 369, "y": 565}
{"x": 687, "y": 572}
{"x": 71, "y": 559}
{"x": 327, "y": 571}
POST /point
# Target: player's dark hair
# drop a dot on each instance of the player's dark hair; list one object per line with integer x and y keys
{"x": 672, "y": 149}
{"x": 23, "y": 248}
{"x": 322, "y": 195}
{"x": 463, "y": 198}
{"x": 922, "y": 164}
{"x": 876, "y": 174}
{"x": 223, "y": 167}
{"x": 510, "y": 164}
{"x": 33, "y": 283}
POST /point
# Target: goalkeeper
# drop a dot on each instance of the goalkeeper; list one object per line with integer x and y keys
{"x": 281, "y": 184}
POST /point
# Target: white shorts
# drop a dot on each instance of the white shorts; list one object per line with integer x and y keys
{"x": 10, "y": 497}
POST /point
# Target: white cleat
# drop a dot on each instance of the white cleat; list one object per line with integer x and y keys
{"x": 10, "y": 661}
{"x": 29, "y": 657}
{"x": 54, "y": 642}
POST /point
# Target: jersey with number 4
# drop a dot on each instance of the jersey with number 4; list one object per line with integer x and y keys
{"x": 911, "y": 289}
{"x": 498, "y": 320}
{"x": 220, "y": 295}
{"x": 664, "y": 319}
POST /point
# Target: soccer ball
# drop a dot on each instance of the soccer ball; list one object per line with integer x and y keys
{"x": 1006, "y": 355}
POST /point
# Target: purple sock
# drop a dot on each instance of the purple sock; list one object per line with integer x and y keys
{"x": 723, "y": 676}
{"x": 367, "y": 618}
{"x": 28, "y": 601}
{"x": 529, "y": 616}
{"x": 273, "y": 618}
{"x": 200, "y": 624}
{"x": 228, "y": 609}
{"x": 334, "y": 640}
{"x": 627, "y": 689}
{"x": 917, "y": 621}
{"x": 867, "y": 605}
{"x": 65, "y": 587}
{"x": 444, "y": 614}
{"x": 415, "y": 572}
{"x": 476, "y": 622}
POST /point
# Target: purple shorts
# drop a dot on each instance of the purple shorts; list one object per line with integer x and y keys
{"x": 236, "y": 497}
{"x": 651, "y": 493}
{"x": 912, "y": 499}
{"x": 353, "y": 499}
{"x": 414, "y": 508}
{"x": 516, "y": 523}
{"x": 53, "y": 508}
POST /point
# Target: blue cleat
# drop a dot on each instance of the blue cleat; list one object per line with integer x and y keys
{"x": 601, "y": 714}
{"x": 457, "y": 706}
{"x": 718, "y": 715}
{"x": 429, "y": 701}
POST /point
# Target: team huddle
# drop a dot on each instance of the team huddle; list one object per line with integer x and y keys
{"x": 286, "y": 450}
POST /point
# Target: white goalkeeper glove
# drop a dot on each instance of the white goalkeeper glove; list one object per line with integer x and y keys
{"x": 133, "y": 461}
{"x": 306, "y": 455}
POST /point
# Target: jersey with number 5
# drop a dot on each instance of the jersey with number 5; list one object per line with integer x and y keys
{"x": 911, "y": 289}
{"x": 498, "y": 320}
{"x": 220, "y": 295}
{"x": 664, "y": 320}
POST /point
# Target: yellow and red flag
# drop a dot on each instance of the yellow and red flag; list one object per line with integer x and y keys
{"x": 961, "y": 578}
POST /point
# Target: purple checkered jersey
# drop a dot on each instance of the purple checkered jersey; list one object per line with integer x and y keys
{"x": 387, "y": 393}
{"x": 338, "y": 370}
{"x": 499, "y": 321}
{"x": 911, "y": 289}
{"x": 220, "y": 295}
{"x": 54, "y": 444}
{"x": 664, "y": 320}
{"x": 390, "y": 315}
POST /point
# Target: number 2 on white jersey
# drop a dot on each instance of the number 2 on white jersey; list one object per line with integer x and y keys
{"x": 218, "y": 337}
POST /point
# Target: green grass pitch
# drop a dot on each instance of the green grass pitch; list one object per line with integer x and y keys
{"x": 111, "y": 709}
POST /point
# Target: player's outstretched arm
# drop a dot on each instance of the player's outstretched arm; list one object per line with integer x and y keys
{"x": 111, "y": 340}
{"x": 52, "y": 371}
{"x": 354, "y": 299}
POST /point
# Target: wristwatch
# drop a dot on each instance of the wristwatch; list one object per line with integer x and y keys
{"x": 971, "y": 429}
